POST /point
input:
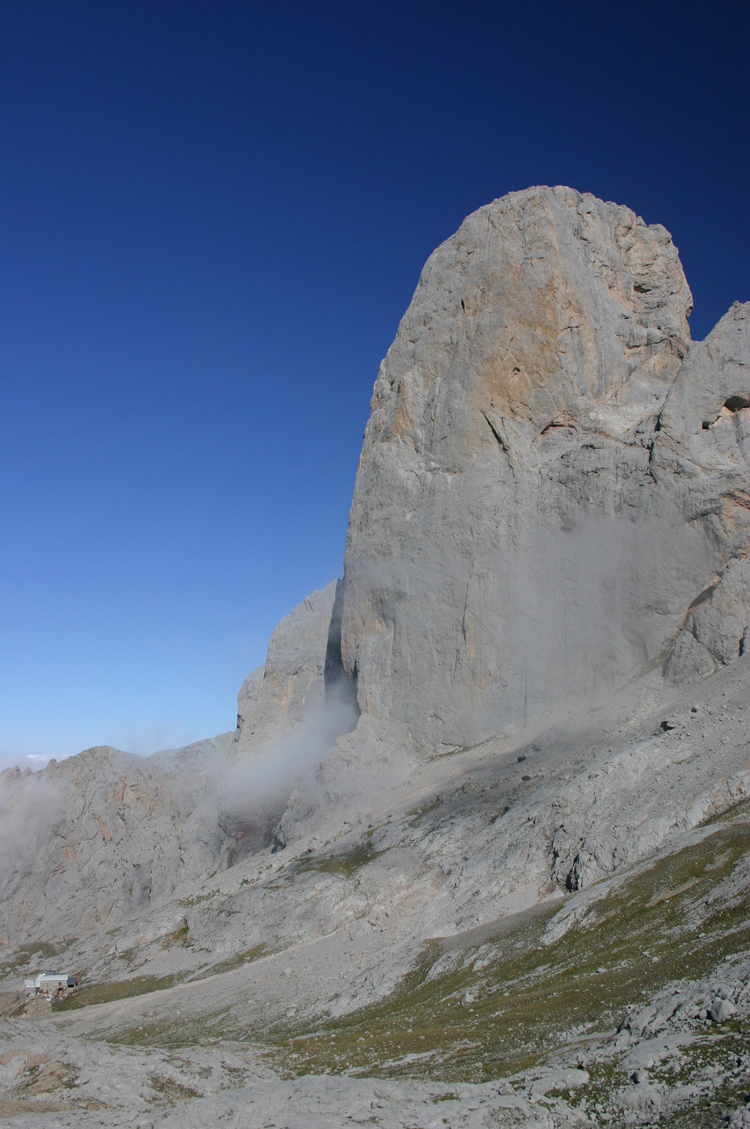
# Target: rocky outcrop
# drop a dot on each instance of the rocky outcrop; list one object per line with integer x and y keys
{"x": 104, "y": 836}
{"x": 551, "y": 476}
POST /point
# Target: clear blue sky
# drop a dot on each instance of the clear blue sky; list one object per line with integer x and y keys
{"x": 212, "y": 217}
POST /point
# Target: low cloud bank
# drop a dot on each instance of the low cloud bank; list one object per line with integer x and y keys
{"x": 253, "y": 792}
{"x": 29, "y": 806}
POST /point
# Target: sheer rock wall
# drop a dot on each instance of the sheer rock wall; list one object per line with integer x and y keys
{"x": 538, "y": 503}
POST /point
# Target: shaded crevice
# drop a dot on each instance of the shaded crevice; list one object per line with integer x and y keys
{"x": 555, "y": 424}
{"x": 705, "y": 595}
{"x": 737, "y": 402}
{"x": 733, "y": 404}
{"x": 500, "y": 441}
{"x": 496, "y": 433}
{"x": 574, "y": 879}
{"x": 336, "y": 681}
{"x": 246, "y": 835}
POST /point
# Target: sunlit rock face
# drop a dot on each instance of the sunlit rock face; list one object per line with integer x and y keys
{"x": 538, "y": 502}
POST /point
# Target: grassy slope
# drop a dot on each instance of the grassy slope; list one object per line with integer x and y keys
{"x": 653, "y": 929}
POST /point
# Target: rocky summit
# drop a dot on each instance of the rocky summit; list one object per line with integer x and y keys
{"x": 478, "y": 852}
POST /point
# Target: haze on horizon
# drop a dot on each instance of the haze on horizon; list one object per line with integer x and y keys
{"x": 213, "y": 218}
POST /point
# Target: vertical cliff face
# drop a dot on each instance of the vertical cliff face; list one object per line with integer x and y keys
{"x": 535, "y": 511}
{"x": 702, "y": 452}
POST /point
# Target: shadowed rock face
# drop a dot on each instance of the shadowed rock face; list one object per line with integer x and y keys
{"x": 538, "y": 501}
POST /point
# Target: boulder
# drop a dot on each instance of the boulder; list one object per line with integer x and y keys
{"x": 721, "y": 1010}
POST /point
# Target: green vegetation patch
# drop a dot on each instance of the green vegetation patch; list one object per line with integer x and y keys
{"x": 725, "y": 1052}
{"x": 117, "y": 990}
{"x": 492, "y": 1004}
{"x": 343, "y": 865}
{"x": 174, "y": 1032}
{"x": 177, "y": 937}
{"x": 237, "y": 960}
{"x": 142, "y": 985}
{"x": 170, "y": 1090}
{"x": 196, "y": 899}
